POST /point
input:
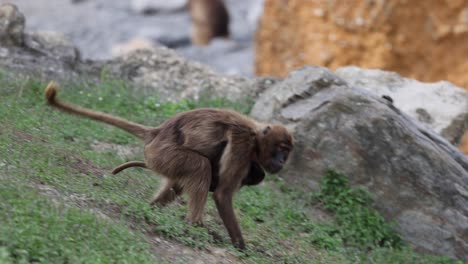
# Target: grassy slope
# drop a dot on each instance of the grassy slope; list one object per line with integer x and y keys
{"x": 40, "y": 147}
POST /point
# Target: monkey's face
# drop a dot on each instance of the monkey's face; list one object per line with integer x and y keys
{"x": 275, "y": 143}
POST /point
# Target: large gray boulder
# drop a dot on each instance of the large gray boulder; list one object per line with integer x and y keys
{"x": 440, "y": 106}
{"x": 415, "y": 176}
{"x": 52, "y": 44}
{"x": 46, "y": 54}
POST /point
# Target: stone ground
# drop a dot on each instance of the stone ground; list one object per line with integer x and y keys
{"x": 96, "y": 26}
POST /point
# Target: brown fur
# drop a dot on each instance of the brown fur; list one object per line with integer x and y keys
{"x": 128, "y": 165}
{"x": 210, "y": 19}
{"x": 254, "y": 177}
{"x": 202, "y": 150}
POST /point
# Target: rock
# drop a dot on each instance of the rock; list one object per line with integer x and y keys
{"x": 11, "y": 25}
{"x": 452, "y": 132}
{"x": 424, "y": 40}
{"x": 131, "y": 46}
{"x": 165, "y": 72}
{"x": 164, "y": 36}
{"x": 159, "y": 71}
{"x": 441, "y": 107}
{"x": 78, "y": 1}
{"x": 255, "y": 12}
{"x": 23, "y": 53}
{"x": 52, "y": 44}
{"x": 25, "y": 62}
{"x": 150, "y": 6}
{"x": 416, "y": 177}
{"x": 225, "y": 55}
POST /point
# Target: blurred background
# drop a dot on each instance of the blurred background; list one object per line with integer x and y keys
{"x": 102, "y": 29}
{"x": 425, "y": 40}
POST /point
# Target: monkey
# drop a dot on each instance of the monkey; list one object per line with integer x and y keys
{"x": 210, "y": 19}
{"x": 199, "y": 150}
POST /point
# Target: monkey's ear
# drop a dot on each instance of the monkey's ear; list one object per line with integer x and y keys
{"x": 266, "y": 130}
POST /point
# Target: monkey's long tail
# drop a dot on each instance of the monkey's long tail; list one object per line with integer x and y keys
{"x": 128, "y": 165}
{"x": 141, "y": 131}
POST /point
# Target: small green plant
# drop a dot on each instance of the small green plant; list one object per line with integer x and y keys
{"x": 360, "y": 225}
{"x": 326, "y": 236}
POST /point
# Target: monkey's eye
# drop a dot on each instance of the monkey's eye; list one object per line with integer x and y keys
{"x": 283, "y": 148}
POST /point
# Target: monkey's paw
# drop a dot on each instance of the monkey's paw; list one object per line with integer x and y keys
{"x": 194, "y": 222}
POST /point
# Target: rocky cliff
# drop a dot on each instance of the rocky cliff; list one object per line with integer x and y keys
{"x": 425, "y": 40}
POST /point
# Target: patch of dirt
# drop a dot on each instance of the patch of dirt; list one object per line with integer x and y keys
{"x": 319, "y": 213}
{"x": 19, "y": 135}
{"x": 124, "y": 152}
{"x": 85, "y": 166}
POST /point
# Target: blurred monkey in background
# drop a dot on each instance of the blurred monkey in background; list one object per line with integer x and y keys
{"x": 210, "y": 19}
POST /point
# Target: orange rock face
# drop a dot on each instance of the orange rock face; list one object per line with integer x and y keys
{"x": 425, "y": 40}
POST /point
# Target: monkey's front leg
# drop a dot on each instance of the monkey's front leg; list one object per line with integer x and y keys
{"x": 233, "y": 169}
{"x": 223, "y": 202}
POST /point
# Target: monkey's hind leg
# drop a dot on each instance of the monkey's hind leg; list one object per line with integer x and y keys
{"x": 185, "y": 170}
{"x": 166, "y": 194}
{"x": 197, "y": 186}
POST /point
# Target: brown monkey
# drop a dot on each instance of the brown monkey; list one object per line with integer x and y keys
{"x": 199, "y": 150}
{"x": 210, "y": 19}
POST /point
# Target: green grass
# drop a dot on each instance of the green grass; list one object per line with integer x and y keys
{"x": 360, "y": 225}
{"x": 35, "y": 230}
{"x": 43, "y": 147}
